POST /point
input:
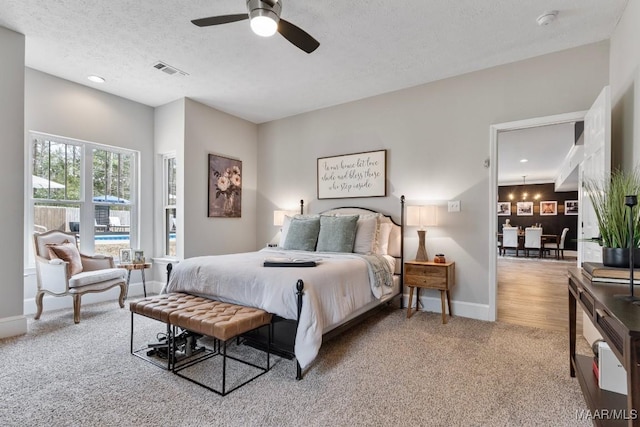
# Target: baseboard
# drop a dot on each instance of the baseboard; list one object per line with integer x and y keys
{"x": 50, "y": 302}
{"x": 12, "y": 326}
{"x": 460, "y": 308}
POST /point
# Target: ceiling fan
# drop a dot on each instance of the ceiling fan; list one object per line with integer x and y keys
{"x": 264, "y": 16}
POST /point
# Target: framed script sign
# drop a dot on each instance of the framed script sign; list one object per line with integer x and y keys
{"x": 353, "y": 175}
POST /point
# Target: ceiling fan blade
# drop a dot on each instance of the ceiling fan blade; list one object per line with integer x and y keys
{"x": 222, "y": 19}
{"x": 297, "y": 36}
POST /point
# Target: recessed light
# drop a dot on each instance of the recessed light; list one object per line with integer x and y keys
{"x": 96, "y": 79}
{"x": 524, "y": 160}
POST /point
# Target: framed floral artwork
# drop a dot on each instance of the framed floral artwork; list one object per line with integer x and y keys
{"x": 549, "y": 208}
{"x": 524, "y": 208}
{"x": 225, "y": 187}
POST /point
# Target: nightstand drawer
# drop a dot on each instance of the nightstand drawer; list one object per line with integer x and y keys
{"x": 426, "y": 281}
{"x": 425, "y": 270}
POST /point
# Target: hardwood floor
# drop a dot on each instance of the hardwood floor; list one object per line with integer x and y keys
{"x": 534, "y": 293}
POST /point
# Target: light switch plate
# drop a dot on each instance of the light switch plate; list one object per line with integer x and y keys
{"x": 454, "y": 205}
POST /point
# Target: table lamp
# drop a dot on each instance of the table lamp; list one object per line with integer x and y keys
{"x": 421, "y": 216}
{"x": 278, "y": 217}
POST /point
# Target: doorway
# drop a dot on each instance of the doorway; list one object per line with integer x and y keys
{"x": 495, "y": 131}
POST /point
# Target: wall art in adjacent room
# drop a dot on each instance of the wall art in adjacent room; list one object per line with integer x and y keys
{"x": 549, "y": 207}
{"x": 524, "y": 208}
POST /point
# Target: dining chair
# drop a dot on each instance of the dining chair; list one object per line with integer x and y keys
{"x": 533, "y": 240}
{"x": 557, "y": 246}
{"x": 510, "y": 240}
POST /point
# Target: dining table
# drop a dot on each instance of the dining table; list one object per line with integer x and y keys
{"x": 545, "y": 238}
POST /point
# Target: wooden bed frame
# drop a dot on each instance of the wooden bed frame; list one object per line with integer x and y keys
{"x": 283, "y": 331}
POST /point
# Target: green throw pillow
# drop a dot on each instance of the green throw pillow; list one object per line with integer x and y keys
{"x": 302, "y": 234}
{"x": 337, "y": 233}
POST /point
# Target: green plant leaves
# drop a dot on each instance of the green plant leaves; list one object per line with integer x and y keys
{"x": 608, "y": 200}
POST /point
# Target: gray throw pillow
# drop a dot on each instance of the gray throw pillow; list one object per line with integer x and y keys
{"x": 337, "y": 233}
{"x": 302, "y": 234}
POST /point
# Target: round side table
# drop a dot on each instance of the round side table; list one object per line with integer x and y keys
{"x": 138, "y": 266}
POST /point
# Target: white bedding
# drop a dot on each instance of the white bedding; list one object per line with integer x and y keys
{"x": 339, "y": 285}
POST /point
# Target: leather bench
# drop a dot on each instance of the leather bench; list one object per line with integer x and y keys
{"x": 218, "y": 320}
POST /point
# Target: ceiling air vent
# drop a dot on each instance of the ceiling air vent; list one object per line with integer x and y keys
{"x": 168, "y": 69}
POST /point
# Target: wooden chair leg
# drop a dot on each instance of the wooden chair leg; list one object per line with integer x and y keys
{"x": 39, "y": 297}
{"x": 76, "y": 308}
{"x": 123, "y": 292}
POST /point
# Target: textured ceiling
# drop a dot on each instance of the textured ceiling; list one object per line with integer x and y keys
{"x": 367, "y": 48}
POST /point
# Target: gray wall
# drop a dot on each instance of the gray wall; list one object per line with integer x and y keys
{"x": 60, "y": 107}
{"x": 12, "y": 321}
{"x": 209, "y": 131}
{"x": 437, "y": 137}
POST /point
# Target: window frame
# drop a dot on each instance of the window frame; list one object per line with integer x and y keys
{"x": 85, "y": 202}
{"x": 166, "y": 203}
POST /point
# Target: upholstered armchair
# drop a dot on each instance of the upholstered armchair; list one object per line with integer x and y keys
{"x": 62, "y": 270}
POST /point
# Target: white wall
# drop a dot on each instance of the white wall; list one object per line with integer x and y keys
{"x": 437, "y": 137}
{"x": 60, "y": 107}
{"x": 209, "y": 131}
{"x": 625, "y": 88}
{"x": 12, "y": 321}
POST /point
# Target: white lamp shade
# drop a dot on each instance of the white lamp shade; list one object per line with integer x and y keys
{"x": 422, "y": 216}
{"x": 278, "y": 217}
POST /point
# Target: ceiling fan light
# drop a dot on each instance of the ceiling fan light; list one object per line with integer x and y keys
{"x": 264, "y": 26}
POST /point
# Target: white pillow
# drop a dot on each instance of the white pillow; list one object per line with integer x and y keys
{"x": 366, "y": 230}
{"x": 286, "y": 222}
{"x": 384, "y": 230}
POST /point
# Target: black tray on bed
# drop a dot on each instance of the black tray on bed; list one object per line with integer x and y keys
{"x": 289, "y": 263}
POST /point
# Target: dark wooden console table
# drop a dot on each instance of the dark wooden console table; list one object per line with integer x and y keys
{"x": 618, "y": 321}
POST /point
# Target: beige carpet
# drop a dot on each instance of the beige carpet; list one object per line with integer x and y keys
{"x": 390, "y": 371}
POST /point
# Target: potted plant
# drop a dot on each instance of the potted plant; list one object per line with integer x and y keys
{"x": 608, "y": 200}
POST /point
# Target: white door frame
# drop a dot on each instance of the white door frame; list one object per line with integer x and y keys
{"x": 494, "y": 130}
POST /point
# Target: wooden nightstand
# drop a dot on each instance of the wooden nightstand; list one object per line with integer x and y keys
{"x": 429, "y": 275}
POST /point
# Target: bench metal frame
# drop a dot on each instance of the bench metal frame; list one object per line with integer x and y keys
{"x": 217, "y": 344}
{"x": 171, "y": 345}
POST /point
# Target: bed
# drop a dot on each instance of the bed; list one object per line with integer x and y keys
{"x": 358, "y": 257}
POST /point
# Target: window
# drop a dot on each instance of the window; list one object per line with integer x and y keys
{"x": 170, "y": 196}
{"x": 84, "y": 188}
